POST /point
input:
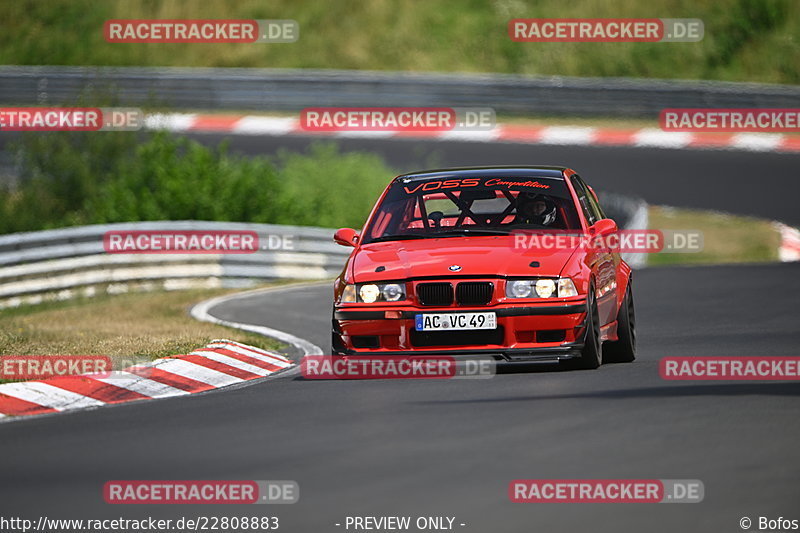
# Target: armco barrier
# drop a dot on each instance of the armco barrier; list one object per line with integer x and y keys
{"x": 292, "y": 90}
{"x": 58, "y": 264}
{"x": 62, "y": 263}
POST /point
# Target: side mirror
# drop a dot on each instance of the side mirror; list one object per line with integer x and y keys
{"x": 605, "y": 226}
{"x": 346, "y": 237}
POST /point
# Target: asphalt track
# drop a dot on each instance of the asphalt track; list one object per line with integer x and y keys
{"x": 450, "y": 448}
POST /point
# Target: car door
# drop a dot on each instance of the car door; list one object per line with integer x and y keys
{"x": 601, "y": 259}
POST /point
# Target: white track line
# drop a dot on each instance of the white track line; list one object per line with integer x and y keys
{"x": 247, "y": 347}
{"x": 201, "y": 312}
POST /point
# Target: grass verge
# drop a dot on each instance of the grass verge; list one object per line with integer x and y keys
{"x": 726, "y": 238}
{"x": 127, "y": 327}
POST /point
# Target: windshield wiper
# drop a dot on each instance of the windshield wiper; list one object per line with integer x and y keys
{"x": 399, "y": 237}
{"x": 435, "y": 235}
{"x": 470, "y": 231}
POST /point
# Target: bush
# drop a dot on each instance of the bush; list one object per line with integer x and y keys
{"x": 58, "y": 172}
{"x": 326, "y": 188}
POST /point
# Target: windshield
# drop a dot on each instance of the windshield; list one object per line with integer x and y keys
{"x": 471, "y": 206}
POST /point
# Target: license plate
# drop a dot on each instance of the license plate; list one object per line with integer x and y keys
{"x": 455, "y": 321}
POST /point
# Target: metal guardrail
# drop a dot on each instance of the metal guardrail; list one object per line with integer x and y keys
{"x": 292, "y": 90}
{"x": 59, "y": 264}
{"x": 63, "y": 263}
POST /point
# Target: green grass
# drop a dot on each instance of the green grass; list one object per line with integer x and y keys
{"x": 745, "y": 40}
{"x": 726, "y": 238}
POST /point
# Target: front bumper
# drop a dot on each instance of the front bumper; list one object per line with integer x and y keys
{"x": 530, "y": 333}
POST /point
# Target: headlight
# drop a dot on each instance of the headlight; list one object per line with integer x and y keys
{"x": 349, "y": 294}
{"x": 369, "y": 293}
{"x": 541, "y": 288}
{"x": 545, "y": 288}
{"x": 521, "y": 288}
{"x": 392, "y": 292}
{"x": 374, "y": 292}
{"x": 566, "y": 288}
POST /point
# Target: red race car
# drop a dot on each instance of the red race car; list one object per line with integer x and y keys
{"x": 483, "y": 261}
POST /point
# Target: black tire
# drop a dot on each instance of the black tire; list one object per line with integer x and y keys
{"x": 624, "y": 349}
{"x": 592, "y": 352}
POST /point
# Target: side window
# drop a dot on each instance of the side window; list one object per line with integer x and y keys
{"x": 583, "y": 198}
{"x": 598, "y": 210}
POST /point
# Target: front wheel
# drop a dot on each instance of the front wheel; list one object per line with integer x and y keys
{"x": 623, "y": 350}
{"x": 592, "y": 352}
{"x": 337, "y": 344}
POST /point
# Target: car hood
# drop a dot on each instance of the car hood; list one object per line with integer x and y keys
{"x": 494, "y": 255}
